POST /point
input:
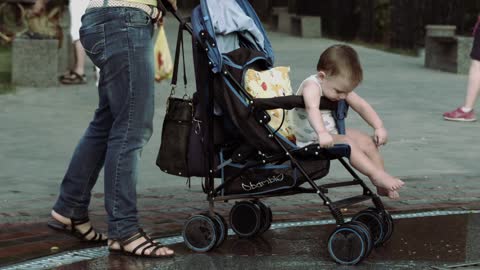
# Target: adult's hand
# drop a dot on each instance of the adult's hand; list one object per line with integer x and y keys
{"x": 172, "y": 3}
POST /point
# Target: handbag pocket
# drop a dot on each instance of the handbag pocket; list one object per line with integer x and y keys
{"x": 172, "y": 156}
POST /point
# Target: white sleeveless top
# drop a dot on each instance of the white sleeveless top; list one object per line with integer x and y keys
{"x": 302, "y": 129}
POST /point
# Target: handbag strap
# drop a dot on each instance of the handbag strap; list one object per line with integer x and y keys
{"x": 179, "y": 48}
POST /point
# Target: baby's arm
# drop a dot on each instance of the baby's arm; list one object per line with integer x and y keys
{"x": 366, "y": 111}
{"x": 311, "y": 95}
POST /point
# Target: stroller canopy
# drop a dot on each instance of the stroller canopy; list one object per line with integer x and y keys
{"x": 228, "y": 25}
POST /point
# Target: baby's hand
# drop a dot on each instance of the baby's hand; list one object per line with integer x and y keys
{"x": 380, "y": 136}
{"x": 325, "y": 139}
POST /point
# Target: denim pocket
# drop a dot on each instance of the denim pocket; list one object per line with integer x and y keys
{"x": 139, "y": 18}
{"x": 93, "y": 41}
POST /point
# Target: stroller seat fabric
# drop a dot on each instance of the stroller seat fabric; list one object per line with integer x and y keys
{"x": 273, "y": 82}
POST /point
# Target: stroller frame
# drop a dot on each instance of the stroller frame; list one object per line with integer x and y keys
{"x": 371, "y": 227}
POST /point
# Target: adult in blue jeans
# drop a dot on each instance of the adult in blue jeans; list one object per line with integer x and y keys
{"x": 117, "y": 36}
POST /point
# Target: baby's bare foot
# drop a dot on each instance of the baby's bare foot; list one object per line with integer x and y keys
{"x": 386, "y": 181}
{"x": 387, "y": 193}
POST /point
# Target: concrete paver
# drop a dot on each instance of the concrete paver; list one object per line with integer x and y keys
{"x": 39, "y": 129}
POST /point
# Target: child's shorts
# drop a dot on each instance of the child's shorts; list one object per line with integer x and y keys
{"x": 329, "y": 123}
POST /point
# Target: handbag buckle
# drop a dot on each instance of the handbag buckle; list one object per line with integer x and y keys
{"x": 172, "y": 91}
{"x": 197, "y": 128}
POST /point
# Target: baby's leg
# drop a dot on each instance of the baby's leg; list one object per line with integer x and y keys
{"x": 367, "y": 145}
{"x": 362, "y": 163}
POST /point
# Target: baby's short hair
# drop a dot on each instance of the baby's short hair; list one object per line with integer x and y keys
{"x": 341, "y": 60}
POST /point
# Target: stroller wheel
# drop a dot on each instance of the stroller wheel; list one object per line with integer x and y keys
{"x": 368, "y": 235}
{"x": 245, "y": 219}
{"x": 375, "y": 223}
{"x": 221, "y": 229}
{"x": 199, "y": 233}
{"x": 347, "y": 244}
{"x": 388, "y": 222}
{"x": 265, "y": 217}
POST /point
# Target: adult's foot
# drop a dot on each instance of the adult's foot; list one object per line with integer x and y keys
{"x": 73, "y": 77}
{"x": 460, "y": 115}
{"x": 140, "y": 244}
{"x": 82, "y": 229}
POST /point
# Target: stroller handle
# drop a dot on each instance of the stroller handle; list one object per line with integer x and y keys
{"x": 290, "y": 102}
{"x": 165, "y": 5}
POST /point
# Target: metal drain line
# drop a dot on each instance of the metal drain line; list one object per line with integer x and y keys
{"x": 70, "y": 257}
{"x": 466, "y": 266}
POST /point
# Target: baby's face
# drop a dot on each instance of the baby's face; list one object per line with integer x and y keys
{"x": 336, "y": 88}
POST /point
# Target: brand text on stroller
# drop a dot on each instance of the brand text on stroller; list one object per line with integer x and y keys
{"x": 270, "y": 180}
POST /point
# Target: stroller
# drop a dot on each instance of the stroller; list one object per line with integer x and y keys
{"x": 245, "y": 159}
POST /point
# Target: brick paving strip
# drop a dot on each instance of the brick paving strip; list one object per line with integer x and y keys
{"x": 24, "y": 234}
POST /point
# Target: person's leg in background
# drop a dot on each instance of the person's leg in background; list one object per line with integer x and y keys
{"x": 473, "y": 85}
{"x": 466, "y": 113}
{"x": 79, "y": 66}
{"x": 77, "y": 73}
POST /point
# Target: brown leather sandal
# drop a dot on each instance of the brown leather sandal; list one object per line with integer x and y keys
{"x": 66, "y": 74}
{"x": 147, "y": 244}
{"x": 73, "y": 78}
{"x": 72, "y": 230}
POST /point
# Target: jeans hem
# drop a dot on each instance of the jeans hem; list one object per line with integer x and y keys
{"x": 125, "y": 234}
{"x": 72, "y": 213}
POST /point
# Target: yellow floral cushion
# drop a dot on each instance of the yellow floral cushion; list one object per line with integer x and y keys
{"x": 272, "y": 83}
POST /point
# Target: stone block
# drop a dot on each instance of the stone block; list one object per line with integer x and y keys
{"x": 445, "y": 51}
{"x": 450, "y": 54}
{"x": 440, "y": 30}
{"x": 35, "y": 62}
{"x": 306, "y": 26}
{"x": 281, "y": 19}
{"x": 440, "y": 53}
{"x": 66, "y": 57}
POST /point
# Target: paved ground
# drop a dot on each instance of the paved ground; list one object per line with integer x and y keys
{"x": 40, "y": 127}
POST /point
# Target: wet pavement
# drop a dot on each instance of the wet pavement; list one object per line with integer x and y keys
{"x": 441, "y": 239}
{"x": 22, "y": 240}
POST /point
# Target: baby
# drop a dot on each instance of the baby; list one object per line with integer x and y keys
{"x": 338, "y": 73}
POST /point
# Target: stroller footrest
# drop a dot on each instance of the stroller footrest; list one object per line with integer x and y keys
{"x": 350, "y": 201}
{"x": 340, "y": 184}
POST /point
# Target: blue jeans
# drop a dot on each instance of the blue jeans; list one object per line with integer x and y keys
{"x": 118, "y": 40}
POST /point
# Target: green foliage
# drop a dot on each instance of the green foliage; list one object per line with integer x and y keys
{"x": 5, "y": 88}
{"x": 5, "y": 63}
{"x": 382, "y": 20}
{"x": 17, "y": 19}
{"x": 12, "y": 20}
{"x": 5, "y": 69}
